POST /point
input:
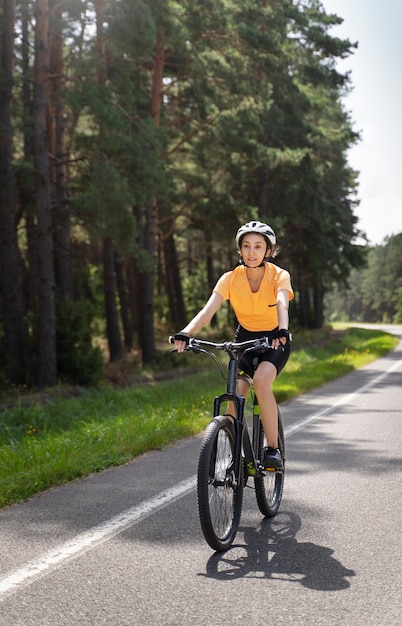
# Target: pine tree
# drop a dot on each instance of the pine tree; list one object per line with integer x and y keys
{"x": 47, "y": 361}
{"x": 11, "y": 297}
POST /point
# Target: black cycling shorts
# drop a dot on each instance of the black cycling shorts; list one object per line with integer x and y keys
{"x": 249, "y": 362}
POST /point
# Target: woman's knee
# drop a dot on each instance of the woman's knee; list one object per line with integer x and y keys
{"x": 265, "y": 374}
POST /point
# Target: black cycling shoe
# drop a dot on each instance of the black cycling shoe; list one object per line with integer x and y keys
{"x": 272, "y": 459}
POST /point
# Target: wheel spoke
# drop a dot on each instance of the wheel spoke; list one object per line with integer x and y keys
{"x": 219, "y": 497}
{"x": 269, "y": 486}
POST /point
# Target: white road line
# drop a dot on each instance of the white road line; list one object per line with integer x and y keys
{"x": 98, "y": 534}
{"x": 85, "y": 541}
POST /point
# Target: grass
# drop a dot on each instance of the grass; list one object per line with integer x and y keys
{"x": 314, "y": 363}
{"x": 50, "y": 441}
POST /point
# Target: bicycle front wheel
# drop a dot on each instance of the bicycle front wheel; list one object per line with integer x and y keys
{"x": 269, "y": 486}
{"x": 220, "y": 495}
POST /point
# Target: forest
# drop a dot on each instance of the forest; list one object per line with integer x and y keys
{"x": 374, "y": 292}
{"x": 136, "y": 136}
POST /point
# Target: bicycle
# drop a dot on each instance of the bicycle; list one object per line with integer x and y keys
{"x": 228, "y": 457}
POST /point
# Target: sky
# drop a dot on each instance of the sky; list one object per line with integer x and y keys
{"x": 375, "y": 105}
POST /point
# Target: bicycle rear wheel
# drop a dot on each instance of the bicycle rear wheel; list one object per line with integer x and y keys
{"x": 220, "y": 496}
{"x": 269, "y": 486}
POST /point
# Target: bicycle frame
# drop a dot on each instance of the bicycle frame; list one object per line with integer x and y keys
{"x": 242, "y": 436}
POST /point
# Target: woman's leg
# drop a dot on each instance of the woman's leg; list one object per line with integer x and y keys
{"x": 264, "y": 377}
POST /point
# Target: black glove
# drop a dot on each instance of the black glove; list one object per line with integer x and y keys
{"x": 282, "y": 332}
{"x": 182, "y": 337}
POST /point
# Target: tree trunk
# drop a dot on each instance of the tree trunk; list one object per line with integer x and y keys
{"x": 112, "y": 316}
{"x": 147, "y": 332}
{"x": 173, "y": 283}
{"x": 147, "y": 281}
{"x": 157, "y": 77}
{"x": 304, "y": 308}
{"x": 133, "y": 281}
{"x": 11, "y": 297}
{"x": 26, "y": 194}
{"x": 63, "y": 265}
{"x": 318, "y": 299}
{"x": 116, "y": 351}
{"x": 123, "y": 298}
{"x": 47, "y": 362}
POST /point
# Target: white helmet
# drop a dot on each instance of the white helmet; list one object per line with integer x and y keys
{"x": 256, "y": 227}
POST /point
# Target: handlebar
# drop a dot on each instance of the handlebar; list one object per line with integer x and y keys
{"x": 227, "y": 346}
{"x": 233, "y": 348}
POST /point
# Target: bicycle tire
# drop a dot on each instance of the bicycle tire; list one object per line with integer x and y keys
{"x": 220, "y": 498}
{"x": 269, "y": 486}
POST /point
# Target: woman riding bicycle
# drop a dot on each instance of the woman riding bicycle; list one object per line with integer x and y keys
{"x": 259, "y": 292}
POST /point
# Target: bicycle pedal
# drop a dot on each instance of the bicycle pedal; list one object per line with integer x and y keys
{"x": 263, "y": 469}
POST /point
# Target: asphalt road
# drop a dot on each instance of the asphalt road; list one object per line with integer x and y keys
{"x": 124, "y": 547}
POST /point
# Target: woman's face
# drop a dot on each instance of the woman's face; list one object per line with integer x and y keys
{"x": 253, "y": 249}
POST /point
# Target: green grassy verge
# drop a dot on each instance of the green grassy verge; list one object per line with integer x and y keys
{"x": 46, "y": 443}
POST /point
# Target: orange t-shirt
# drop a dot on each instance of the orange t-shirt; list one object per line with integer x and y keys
{"x": 255, "y": 311}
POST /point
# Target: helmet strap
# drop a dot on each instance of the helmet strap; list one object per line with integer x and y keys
{"x": 242, "y": 262}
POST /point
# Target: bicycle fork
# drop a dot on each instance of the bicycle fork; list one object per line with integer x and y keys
{"x": 242, "y": 438}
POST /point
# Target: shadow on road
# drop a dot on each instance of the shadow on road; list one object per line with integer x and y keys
{"x": 272, "y": 551}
